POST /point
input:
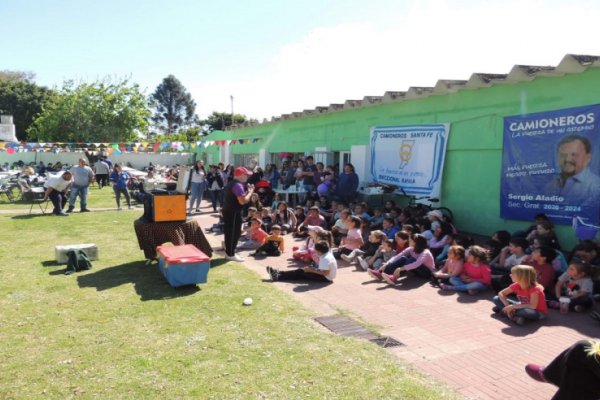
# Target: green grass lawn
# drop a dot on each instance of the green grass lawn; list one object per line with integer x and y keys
{"x": 120, "y": 331}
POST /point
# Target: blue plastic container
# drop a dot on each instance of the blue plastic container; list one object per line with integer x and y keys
{"x": 183, "y": 265}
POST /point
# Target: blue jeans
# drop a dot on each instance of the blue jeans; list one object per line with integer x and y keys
{"x": 462, "y": 286}
{"x": 197, "y": 193}
{"x": 527, "y": 313}
{"x": 58, "y": 201}
{"x": 401, "y": 262}
{"x": 80, "y": 191}
{"x": 216, "y": 196}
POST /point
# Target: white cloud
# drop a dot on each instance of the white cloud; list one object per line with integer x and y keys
{"x": 434, "y": 40}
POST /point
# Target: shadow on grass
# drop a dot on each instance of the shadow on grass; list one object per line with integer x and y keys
{"x": 148, "y": 282}
{"x": 33, "y": 215}
{"x": 50, "y": 263}
{"x": 217, "y": 262}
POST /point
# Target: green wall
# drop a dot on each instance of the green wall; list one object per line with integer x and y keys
{"x": 471, "y": 184}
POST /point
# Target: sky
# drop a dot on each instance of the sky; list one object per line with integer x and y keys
{"x": 279, "y": 57}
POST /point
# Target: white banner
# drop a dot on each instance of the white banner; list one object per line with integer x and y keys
{"x": 410, "y": 157}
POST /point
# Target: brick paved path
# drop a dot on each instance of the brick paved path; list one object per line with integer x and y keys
{"x": 453, "y": 337}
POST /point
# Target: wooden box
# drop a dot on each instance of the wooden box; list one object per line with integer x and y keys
{"x": 168, "y": 207}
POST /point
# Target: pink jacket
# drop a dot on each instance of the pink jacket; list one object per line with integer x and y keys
{"x": 425, "y": 258}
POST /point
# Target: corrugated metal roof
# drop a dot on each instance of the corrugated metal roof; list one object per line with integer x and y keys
{"x": 570, "y": 64}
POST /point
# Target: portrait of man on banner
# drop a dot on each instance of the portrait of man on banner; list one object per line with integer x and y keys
{"x": 575, "y": 181}
{"x": 551, "y": 165}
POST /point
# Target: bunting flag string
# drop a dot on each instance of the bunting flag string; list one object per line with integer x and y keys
{"x": 118, "y": 148}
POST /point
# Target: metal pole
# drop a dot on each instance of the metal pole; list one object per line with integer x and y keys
{"x": 232, "y": 114}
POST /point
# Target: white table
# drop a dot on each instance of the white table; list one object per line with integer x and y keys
{"x": 287, "y": 192}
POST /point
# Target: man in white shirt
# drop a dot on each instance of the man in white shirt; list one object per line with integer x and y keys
{"x": 56, "y": 190}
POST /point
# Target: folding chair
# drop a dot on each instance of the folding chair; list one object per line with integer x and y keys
{"x": 6, "y": 189}
{"x": 35, "y": 196}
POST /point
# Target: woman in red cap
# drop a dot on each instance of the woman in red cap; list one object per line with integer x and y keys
{"x": 237, "y": 193}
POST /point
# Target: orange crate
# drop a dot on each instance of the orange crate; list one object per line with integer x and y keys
{"x": 169, "y": 207}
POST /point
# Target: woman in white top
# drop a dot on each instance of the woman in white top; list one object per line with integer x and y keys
{"x": 198, "y": 185}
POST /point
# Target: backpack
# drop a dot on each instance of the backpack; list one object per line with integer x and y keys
{"x": 77, "y": 260}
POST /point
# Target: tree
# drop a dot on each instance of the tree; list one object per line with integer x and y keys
{"x": 102, "y": 111}
{"x": 22, "y": 99}
{"x": 186, "y": 135}
{"x": 218, "y": 121}
{"x": 174, "y": 106}
{"x": 13, "y": 76}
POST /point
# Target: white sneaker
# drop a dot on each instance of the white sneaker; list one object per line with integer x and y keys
{"x": 347, "y": 258}
{"x": 235, "y": 257}
{"x": 363, "y": 263}
{"x": 119, "y": 208}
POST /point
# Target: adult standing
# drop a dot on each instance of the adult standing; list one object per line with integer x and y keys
{"x": 257, "y": 173}
{"x": 228, "y": 174}
{"x": 215, "y": 186}
{"x": 56, "y": 190}
{"x": 347, "y": 184}
{"x": 82, "y": 177}
{"x": 102, "y": 171}
{"x": 308, "y": 175}
{"x": 287, "y": 174}
{"x": 236, "y": 196}
{"x": 318, "y": 174}
{"x": 198, "y": 185}
{"x": 107, "y": 161}
{"x": 272, "y": 175}
{"x": 120, "y": 178}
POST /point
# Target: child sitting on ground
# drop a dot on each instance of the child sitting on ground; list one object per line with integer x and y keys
{"x": 353, "y": 240}
{"x": 340, "y": 228}
{"x": 531, "y": 301}
{"x": 385, "y": 252}
{"x": 416, "y": 258}
{"x": 267, "y": 220}
{"x": 541, "y": 260}
{"x": 305, "y": 252}
{"x": 366, "y": 246}
{"x": 300, "y": 214}
{"x": 369, "y": 249}
{"x": 376, "y": 221}
{"x": 273, "y": 245}
{"x": 313, "y": 218}
{"x": 255, "y": 235}
{"x": 453, "y": 267}
{"x": 285, "y": 218}
{"x": 577, "y": 285}
{"x": 509, "y": 256}
{"x": 476, "y": 274}
{"x": 325, "y": 271}
{"x": 544, "y": 230}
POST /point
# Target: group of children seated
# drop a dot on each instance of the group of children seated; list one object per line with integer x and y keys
{"x": 527, "y": 269}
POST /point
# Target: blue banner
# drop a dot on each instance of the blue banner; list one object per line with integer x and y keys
{"x": 410, "y": 157}
{"x": 551, "y": 165}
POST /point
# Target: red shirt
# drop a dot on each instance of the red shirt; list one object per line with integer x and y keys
{"x": 479, "y": 273}
{"x": 524, "y": 296}
{"x": 258, "y": 235}
{"x": 545, "y": 274}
